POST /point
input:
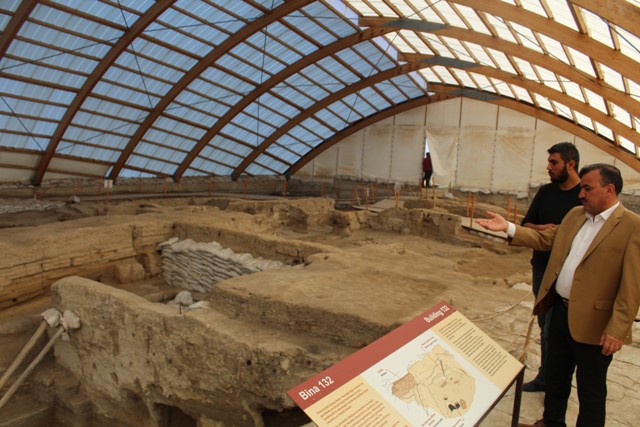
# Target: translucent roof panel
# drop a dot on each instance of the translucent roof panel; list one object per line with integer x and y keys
{"x": 196, "y": 87}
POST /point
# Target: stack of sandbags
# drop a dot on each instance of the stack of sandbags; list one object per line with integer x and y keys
{"x": 199, "y": 266}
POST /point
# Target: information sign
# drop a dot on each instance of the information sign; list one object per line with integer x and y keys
{"x": 438, "y": 369}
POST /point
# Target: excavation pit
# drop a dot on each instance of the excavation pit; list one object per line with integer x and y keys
{"x": 346, "y": 279}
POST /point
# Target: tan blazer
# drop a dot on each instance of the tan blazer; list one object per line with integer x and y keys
{"x": 605, "y": 294}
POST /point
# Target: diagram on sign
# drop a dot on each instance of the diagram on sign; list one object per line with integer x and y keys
{"x": 437, "y": 381}
{"x": 436, "y": 370}
{"x": 430, "y": 384}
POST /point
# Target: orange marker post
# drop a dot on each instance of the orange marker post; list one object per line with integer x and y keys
{"x": 426, "y": 197}
{"x": 468, "y": 202}
{"x": 434, "y": 197}
{"x": 396, "y": 193}
{"x": 356, "y": 198}
{"x": 472, "y": 209}
{"x": 366, "y": 197}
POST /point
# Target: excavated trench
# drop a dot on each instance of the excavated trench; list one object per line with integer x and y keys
{"x": 206, "y": 314}
{"x": 155, "y": 316}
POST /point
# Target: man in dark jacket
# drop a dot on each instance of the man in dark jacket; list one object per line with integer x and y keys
{"x": 550, "y": 204}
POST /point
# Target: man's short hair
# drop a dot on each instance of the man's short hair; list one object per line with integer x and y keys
{"x": 567, "y": 151}
{"x": 609, "y": 174}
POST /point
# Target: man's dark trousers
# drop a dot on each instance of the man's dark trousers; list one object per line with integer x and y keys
{"x": 543, "y": 321}
{"x": 564, "y": 355}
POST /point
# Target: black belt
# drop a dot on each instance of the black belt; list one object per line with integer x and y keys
{"x": 563, "y": 300}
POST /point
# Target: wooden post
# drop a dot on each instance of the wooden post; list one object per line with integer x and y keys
{"x": 31, "y": 366}
{"x": 23, "y": 353}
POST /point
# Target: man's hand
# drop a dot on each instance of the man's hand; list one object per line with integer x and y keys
{"x": 494, "y": 223}
{"x": 610, "y": 344}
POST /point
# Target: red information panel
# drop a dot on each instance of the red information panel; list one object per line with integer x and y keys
{"x": 438, "y": 369}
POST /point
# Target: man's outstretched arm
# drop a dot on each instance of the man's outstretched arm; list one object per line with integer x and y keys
{"x": 495, "y": 222}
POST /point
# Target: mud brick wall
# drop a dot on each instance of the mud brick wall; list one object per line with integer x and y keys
{"x": 34, "y": 257}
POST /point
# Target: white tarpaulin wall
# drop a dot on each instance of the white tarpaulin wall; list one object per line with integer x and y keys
{"x": 442, "y": 135}
{"x": 378, "y": 146}
{"x": 474, "y": 146}
{"x": 513, "y": 151}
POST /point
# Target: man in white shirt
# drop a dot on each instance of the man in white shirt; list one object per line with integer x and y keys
{"x": 592, "y": 282}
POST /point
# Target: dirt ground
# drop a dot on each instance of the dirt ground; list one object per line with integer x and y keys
{"x": 484, "y": 278}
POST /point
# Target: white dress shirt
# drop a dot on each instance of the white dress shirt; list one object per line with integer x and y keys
{"x": 579, "y": 247}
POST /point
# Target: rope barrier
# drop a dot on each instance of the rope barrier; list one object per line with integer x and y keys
{"x": 511, "y": 307}
{"x": 527, "y": 340}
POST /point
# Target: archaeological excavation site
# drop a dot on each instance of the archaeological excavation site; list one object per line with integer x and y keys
{"x": 213, "y": 213}
{"x": 205, "y": 310}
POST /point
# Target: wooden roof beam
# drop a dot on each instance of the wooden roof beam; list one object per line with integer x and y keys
{"x": 109, "y": 59}
{"x": 223, "y": 49}
{"x": 270, "y": 84}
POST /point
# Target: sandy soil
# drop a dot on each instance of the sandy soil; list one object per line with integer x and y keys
{"x": 484, "y": 279}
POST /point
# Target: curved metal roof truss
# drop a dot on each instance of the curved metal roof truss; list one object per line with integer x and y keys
{"x": 181, "y": 88}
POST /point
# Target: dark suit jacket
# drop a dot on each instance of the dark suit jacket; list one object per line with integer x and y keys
{"x": 605, "y": 294}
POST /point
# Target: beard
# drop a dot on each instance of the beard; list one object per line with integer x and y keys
{"x": 562, "y": 177}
